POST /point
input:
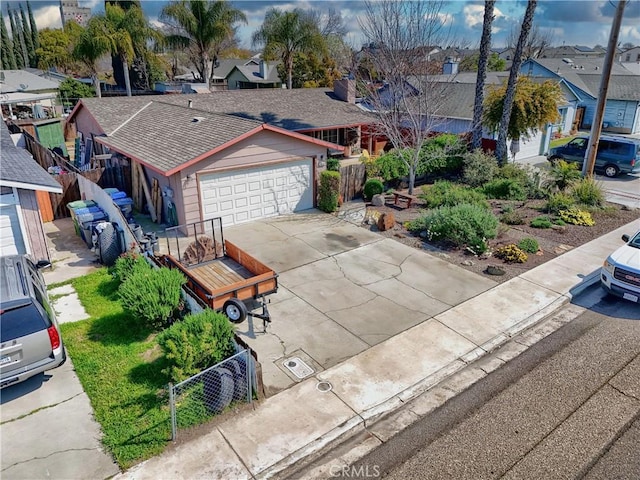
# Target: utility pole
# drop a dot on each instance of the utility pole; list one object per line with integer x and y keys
{"x": 596, "y": 125}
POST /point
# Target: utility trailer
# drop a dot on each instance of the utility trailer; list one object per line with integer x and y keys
{"x": 219, "y": 272}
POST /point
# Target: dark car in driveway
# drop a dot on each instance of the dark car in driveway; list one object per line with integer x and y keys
{"x": 30, "y": 340}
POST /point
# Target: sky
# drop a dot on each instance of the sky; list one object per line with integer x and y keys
{"x": 570, "y": 22}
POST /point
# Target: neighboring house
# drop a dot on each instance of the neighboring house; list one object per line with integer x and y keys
{"x": 21, "y": 178}
{"x": 24, "y": 94}
{"x": 631, "y": 55}
{"x": 573, "y": 51}
{"x": 254, "y": 74}
{"x": 237, "y": 154}
{"x": 582, "y": 77}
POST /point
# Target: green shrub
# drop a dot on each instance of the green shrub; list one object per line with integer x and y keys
{"x": 333, "y": 164}
{"x": 576, "y": 216}
{"x": 559, "y": 222}
{"x": 442, "y": 154}
{"x": 444, "y": 193}
{"x": 529, "y": 245}
{"x": 504, "y": 188}
{"x": 153, "y": 295}
{"x": 372, "y": 187}
{"x": 127, "y": 263}
{"x": 329, "y": 191}
{"x": 514, "y": 171}
{"x": 197, "y": 342}
{"x": 479, "y": 168}
{"x": 512, "y": 218}
{"x": 588, "y": 192}
{"x": 390, "y": 165}
{"x": 559, "y": 201}
{"x": 541, "y": 222}
{"x": 508, "y": 208}
{"x": 463, "y": 225}
{"x": 563, "y": 175}
{"x": 511, "y": 254}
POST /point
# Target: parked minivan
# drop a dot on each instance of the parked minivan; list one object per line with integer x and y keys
{"x": 30, "y": 340}
{"x": 615, "y": 155}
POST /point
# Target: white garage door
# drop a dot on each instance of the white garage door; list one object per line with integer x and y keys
{"x": 240, "y": 196}
{"x": 531, "y": 147}
{"x": 11, "y": 241}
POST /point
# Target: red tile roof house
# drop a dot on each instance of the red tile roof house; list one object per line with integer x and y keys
{"x": 239, "y": 155}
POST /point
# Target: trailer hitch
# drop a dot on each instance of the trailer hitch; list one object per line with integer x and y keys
{"x": 265, "y": 316}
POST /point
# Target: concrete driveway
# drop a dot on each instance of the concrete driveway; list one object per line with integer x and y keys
{"x": 48, "y": 430}
{"x": 342, "y": 289}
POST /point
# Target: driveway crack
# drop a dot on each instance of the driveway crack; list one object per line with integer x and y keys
{"x": 40, "y": 409}
{"x": 8, "y": 467}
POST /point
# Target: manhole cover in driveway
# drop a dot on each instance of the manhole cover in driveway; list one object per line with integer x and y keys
{"x": 298, "y": 367}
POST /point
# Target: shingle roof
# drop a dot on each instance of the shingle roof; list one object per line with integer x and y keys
{"x": 21, "y": 80}
{"x": 252, "y": 73}
{"x": 167, "y": 136}
{"x": 621, "y": 87}
{"x": 19, "y": 169}
{"x": 110, "y": 113}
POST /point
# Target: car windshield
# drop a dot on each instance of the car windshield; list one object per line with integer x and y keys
{"x": 635, "y": 241}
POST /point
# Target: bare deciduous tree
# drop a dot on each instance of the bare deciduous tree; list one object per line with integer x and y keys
{"x": 406, "y": 35}
{"x": 538, "y": 41}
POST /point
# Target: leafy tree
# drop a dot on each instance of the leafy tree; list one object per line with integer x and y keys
{"x": 284, "y": 34}
{"x": 202, "y": 27}
{"x": 503, "y": 126}
{"x": 494, "y": 63}
{"x": 481, "y": 67}
{"x": 405, "y": 112}
{"x": 35, "y": 37}
{"x": 18, "y": 52}
{"x": 91, "y": 45}
{"x": 534, "y": 105}
{"x": 71, "y": 91}
{"x": 6, "y": 52}
{"x": 28, "y": 39}
{"x": 56, "y": 47}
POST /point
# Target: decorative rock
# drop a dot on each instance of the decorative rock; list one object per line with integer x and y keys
{"x": 377, "y": 200}
{"x": 467, "y": 263}
{"x": 493, "y": 270}
{"x": 386, "y": 222}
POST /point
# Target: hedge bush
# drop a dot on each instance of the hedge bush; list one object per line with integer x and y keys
{"x": 504, "y": 189}
{"x": 444, "y": 193}
{"x": 128, "y": 263}
{"x": 559, "y": 201}
{"x": 390, "y": 165}
{"x": 541, "y": 222}
{"x": 479, "y": 168}
{"x": 442, "y": 155}
{"x": 576, "y": 216}
{"x": 153, "y": 295}
{"x": 195, "y": 343}
{"x": 463, "y": 225}
{"x": 329, "y": 191}
{"x": 372, "y": 187}
{"x": 511, "y": 254}
{"x": 529, "y": 245}
{"x": 333, "y": 164}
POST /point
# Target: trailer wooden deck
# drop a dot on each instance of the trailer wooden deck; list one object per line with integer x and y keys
{"x": 219, "y": 273}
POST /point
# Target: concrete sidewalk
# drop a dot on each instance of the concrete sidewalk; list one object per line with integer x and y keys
{"x": 343, "y": 400}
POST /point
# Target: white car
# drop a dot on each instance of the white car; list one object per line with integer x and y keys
{"x": 620, "y": 273}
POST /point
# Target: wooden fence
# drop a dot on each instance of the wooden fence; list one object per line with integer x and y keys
{"x": 115, "y": 173}
{"x": 352, "y": 178}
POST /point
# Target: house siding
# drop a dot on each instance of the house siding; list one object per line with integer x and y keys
{"x": 261, "y": 148}
{"x": 86, "y": 124}
{"x": 233, "y": 79}
{"x": 619, "y": 116}
{"x": 32, "y": 224}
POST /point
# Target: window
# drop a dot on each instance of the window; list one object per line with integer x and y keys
{"x": 578, "y": 143}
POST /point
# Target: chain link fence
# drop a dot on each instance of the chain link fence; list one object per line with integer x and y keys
{"x": 208, "y": 393}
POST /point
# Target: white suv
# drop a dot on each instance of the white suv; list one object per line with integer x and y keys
{"x": 620, "y": 273}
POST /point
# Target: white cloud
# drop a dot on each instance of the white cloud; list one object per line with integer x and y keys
{"x": 47, "y": 17}
{"x": 630, "y": 33}
{"x": 474, "y": 15}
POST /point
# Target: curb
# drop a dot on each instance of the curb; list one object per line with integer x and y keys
{"x": 300, "y": 460}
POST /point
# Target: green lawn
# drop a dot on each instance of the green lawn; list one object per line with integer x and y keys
{"x": 560, "y": 141}
{"x": 121, "y": 372}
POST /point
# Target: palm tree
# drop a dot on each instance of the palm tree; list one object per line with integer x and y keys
{"x": 284, "y": 34}
{"x": 501, "y": 147}
{"x": 485, "y": 44}
{"x": 201, "y": 26}
{"x": 92, "y": 44}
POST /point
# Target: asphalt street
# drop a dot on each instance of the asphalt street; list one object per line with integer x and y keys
{"x": 568, "y": 407}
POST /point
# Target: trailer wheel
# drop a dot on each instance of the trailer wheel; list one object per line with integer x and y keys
{"x": 235, "y": 310}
